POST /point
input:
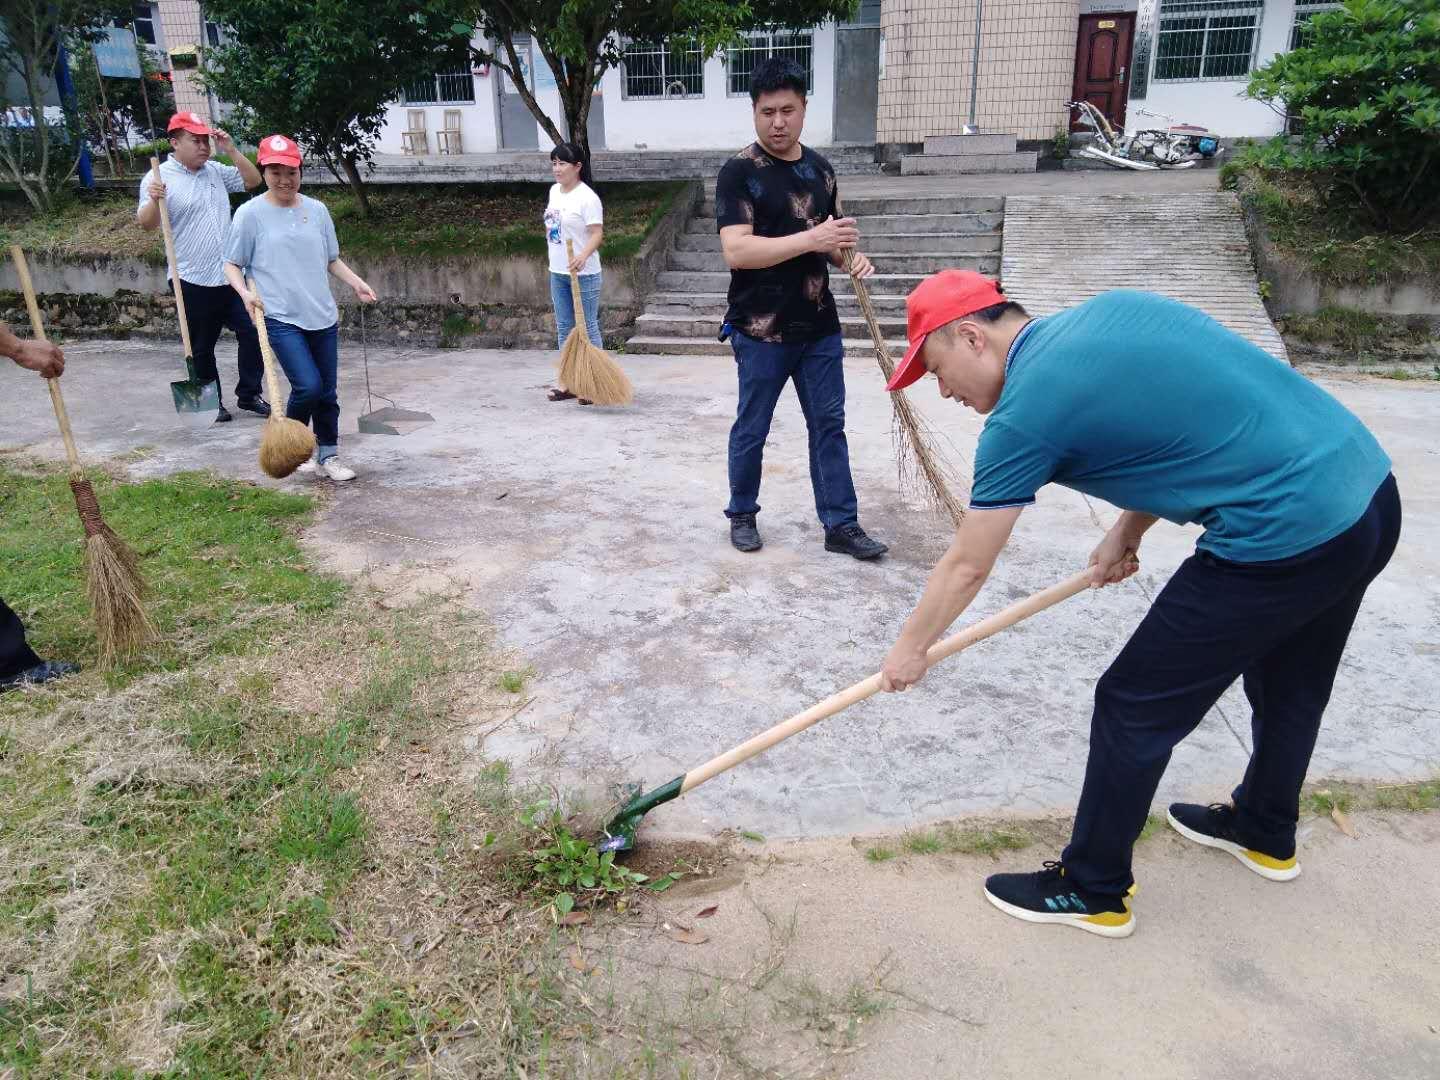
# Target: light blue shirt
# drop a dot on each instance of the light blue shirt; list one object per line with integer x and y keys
{"x": 288, "y": 251}
{"x": 1153, "y": 406}
{"x": 199, "y": 205}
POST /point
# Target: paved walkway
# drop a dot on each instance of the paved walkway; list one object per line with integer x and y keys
{"x": 1061, "y": 249}
{"x": 595, "y": 540}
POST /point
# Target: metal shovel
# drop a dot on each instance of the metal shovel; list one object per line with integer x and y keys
{"x": 392, "y": 420}
{"x": 195, "y": 399}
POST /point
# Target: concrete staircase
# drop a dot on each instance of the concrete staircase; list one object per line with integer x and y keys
{"x": 906, "y": 237}
{"x": 950, "y": 155}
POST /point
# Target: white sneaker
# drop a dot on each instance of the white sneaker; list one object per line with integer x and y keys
{"x": 332, "y": 468}
{"x": 310, "y": 468}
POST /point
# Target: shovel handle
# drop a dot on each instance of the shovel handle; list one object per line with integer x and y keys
{"x": 174, "y": 273}
{"x": 257, "y": 316}
{"x": 575, "y": 294}
{"x": 1016, "y": 612}
{"x": 37, "y": 325}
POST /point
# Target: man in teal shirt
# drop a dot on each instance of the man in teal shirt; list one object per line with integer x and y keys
{"x": 1155, "y": 407}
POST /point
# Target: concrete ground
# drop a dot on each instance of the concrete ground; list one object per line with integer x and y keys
{"x": 594, "y": 539}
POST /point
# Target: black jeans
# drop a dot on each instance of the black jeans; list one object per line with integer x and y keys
{"x": 15, "y": 655}
{"x": 209, "y": 309}
{"x": 1282, "y": 625}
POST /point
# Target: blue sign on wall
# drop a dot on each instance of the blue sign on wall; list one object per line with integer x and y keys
{"x": 116, "y": 56}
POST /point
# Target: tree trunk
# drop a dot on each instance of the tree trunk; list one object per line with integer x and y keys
{"x": 357, "y": 185}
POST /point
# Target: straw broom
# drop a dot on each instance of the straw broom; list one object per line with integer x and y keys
{"x": 285, "y": 444}
{"x": 922, "y": 470}
{"x": 586, "y": 370}
{"x": 112, "y": 571}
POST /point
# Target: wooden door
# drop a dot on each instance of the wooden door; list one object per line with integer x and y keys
{"x": 1102, "y": 64}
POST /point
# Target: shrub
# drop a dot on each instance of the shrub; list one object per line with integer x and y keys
{"x": 1365, "y": 91}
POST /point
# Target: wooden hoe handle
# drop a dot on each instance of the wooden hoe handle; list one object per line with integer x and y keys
{"x": 1001, "y": 620}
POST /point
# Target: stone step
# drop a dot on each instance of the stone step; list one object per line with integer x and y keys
{"x": 969, "y": 223}
{"x": 708, "y": 346}
{"x": 699, "y": 326}
{"x": 969, "y": 145}
{"x": 885, "y": 262}
{"x": 860, "y": 206}
{"x": 711, "y": 281}
{"x": 895, "y": 243}
{"x": 713, "y": 305}
{"x": 952, "y": 164}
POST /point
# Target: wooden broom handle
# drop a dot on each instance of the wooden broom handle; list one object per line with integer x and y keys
{"x": 862, "y": 297}
{"x": 272, "y": 380}
{"x": 1016, "y": 612}
{"x": 37, "y": 325}
{"x": 174, "y": 269}
{"x": 575, "y": 293}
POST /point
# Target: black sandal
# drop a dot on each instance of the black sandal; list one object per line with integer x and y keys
{"x": 556, "y": 394}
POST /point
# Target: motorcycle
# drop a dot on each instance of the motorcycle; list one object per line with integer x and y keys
{"x": 1179, "y": 146}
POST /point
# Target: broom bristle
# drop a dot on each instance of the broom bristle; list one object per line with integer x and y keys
{"x": 588, "y": 372}
{"x": 116, "y": 591}
{"x": 285, "y": 445}
{"x": 922, "y": 475}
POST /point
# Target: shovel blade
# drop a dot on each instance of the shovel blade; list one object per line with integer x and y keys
{"x": 392, "y": 421}
{"x": 195, "y": 399}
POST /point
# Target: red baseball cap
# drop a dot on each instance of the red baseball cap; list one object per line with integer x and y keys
{"x": 278, "y": 150}
{"x": 187, "y": 121}
{"x": 939, "y": 299}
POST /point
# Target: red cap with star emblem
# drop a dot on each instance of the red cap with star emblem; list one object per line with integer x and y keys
{"x": 278, "y": 150}
{"x": 187, "y": 121}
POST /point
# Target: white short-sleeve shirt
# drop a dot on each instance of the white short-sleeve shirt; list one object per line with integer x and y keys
{"x": 568, "y": 217}
{"x": 199, "y": 204}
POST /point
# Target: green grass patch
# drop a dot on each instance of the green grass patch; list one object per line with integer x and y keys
{"x": 1355, "y": 331}
{"x": 954, "y": 840}
{"x": 1336, "y": 247}
{"x": 1412, "y": 797}
{"x": 423, "y": 221}
{"x": 879, "y": 853}
{"x": 1323, "y": 801}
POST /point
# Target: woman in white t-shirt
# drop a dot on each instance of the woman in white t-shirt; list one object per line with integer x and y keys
{"x": 573, "y": 213}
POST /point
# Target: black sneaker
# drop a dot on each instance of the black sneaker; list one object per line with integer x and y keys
{"x": 1214, "y": 826}
{"x": 743, "y": 533}
{"x": 40, "y": 673}
{"x": 851, "y": 540}
{"x": 223, "y": 416}
{"x": 259, "y": 406}
{"x": 1047, "y": 897}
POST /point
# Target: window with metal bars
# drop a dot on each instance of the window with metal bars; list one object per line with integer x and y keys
{"x": 653, "y": 69}
{"x": 1206, "y": 39}
{"x": 451, "y": 84}
{"x": 1305, "y": 10}
{"x": 740, "y": 60}
{"x": 144, "y": 23}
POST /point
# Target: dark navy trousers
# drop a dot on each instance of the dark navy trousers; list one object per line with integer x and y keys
{"x": 15, "y": 655}
{"x": 1281, "y": 626}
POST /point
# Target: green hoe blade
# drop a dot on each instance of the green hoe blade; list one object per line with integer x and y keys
{"x": 620, "y": 833}
{"x": 195, "y": 396}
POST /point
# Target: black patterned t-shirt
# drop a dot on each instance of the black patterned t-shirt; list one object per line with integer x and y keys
{"x": 790, "y": 301}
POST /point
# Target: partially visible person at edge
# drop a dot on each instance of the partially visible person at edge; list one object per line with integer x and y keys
{"x": 777, "y": 207}
{"x": 285, "y": 242}
{"x": 19, "y": 666}
{"x": 1159, "y": 410}
{"x": 573, "y": 213}
{"x": 197, "y": 192}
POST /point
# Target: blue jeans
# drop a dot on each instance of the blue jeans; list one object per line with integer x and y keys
{"x": 311, "y": 359}
{"x": 1280, "y": 625}
{"x": 565, "y": 306}
{"x": 819, "y": 376}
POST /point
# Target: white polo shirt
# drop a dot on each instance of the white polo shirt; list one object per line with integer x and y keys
{"x": 199, "y": 205}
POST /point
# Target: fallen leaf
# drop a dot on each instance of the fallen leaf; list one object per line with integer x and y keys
{"x": 575, "y": 918}
{"x": 688, "y": 937}
{"x": 1342, "y": 822}
{"x": 705, "y": 913}
{"x": 578, "y": 961}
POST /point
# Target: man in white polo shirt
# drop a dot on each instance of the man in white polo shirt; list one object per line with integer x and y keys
{"x": 197, "y": 191}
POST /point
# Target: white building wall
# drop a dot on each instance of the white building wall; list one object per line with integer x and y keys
{"x": 715, "y": 122}
{"x": 1220, "y": 104}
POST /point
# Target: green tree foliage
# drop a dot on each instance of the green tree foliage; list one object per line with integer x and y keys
{"x": 1365, "y": 90}
{"x": 105, "y": 118}
{"x": 581, "y": 39}
{"x": 324, "y": 71}
{"x": 38, "y": 156}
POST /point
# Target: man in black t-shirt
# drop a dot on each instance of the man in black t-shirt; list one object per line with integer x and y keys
{"x": 778, "y": 210}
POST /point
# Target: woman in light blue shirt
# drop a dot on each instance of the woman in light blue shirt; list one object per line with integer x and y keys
{"x": 286, "y": 243}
